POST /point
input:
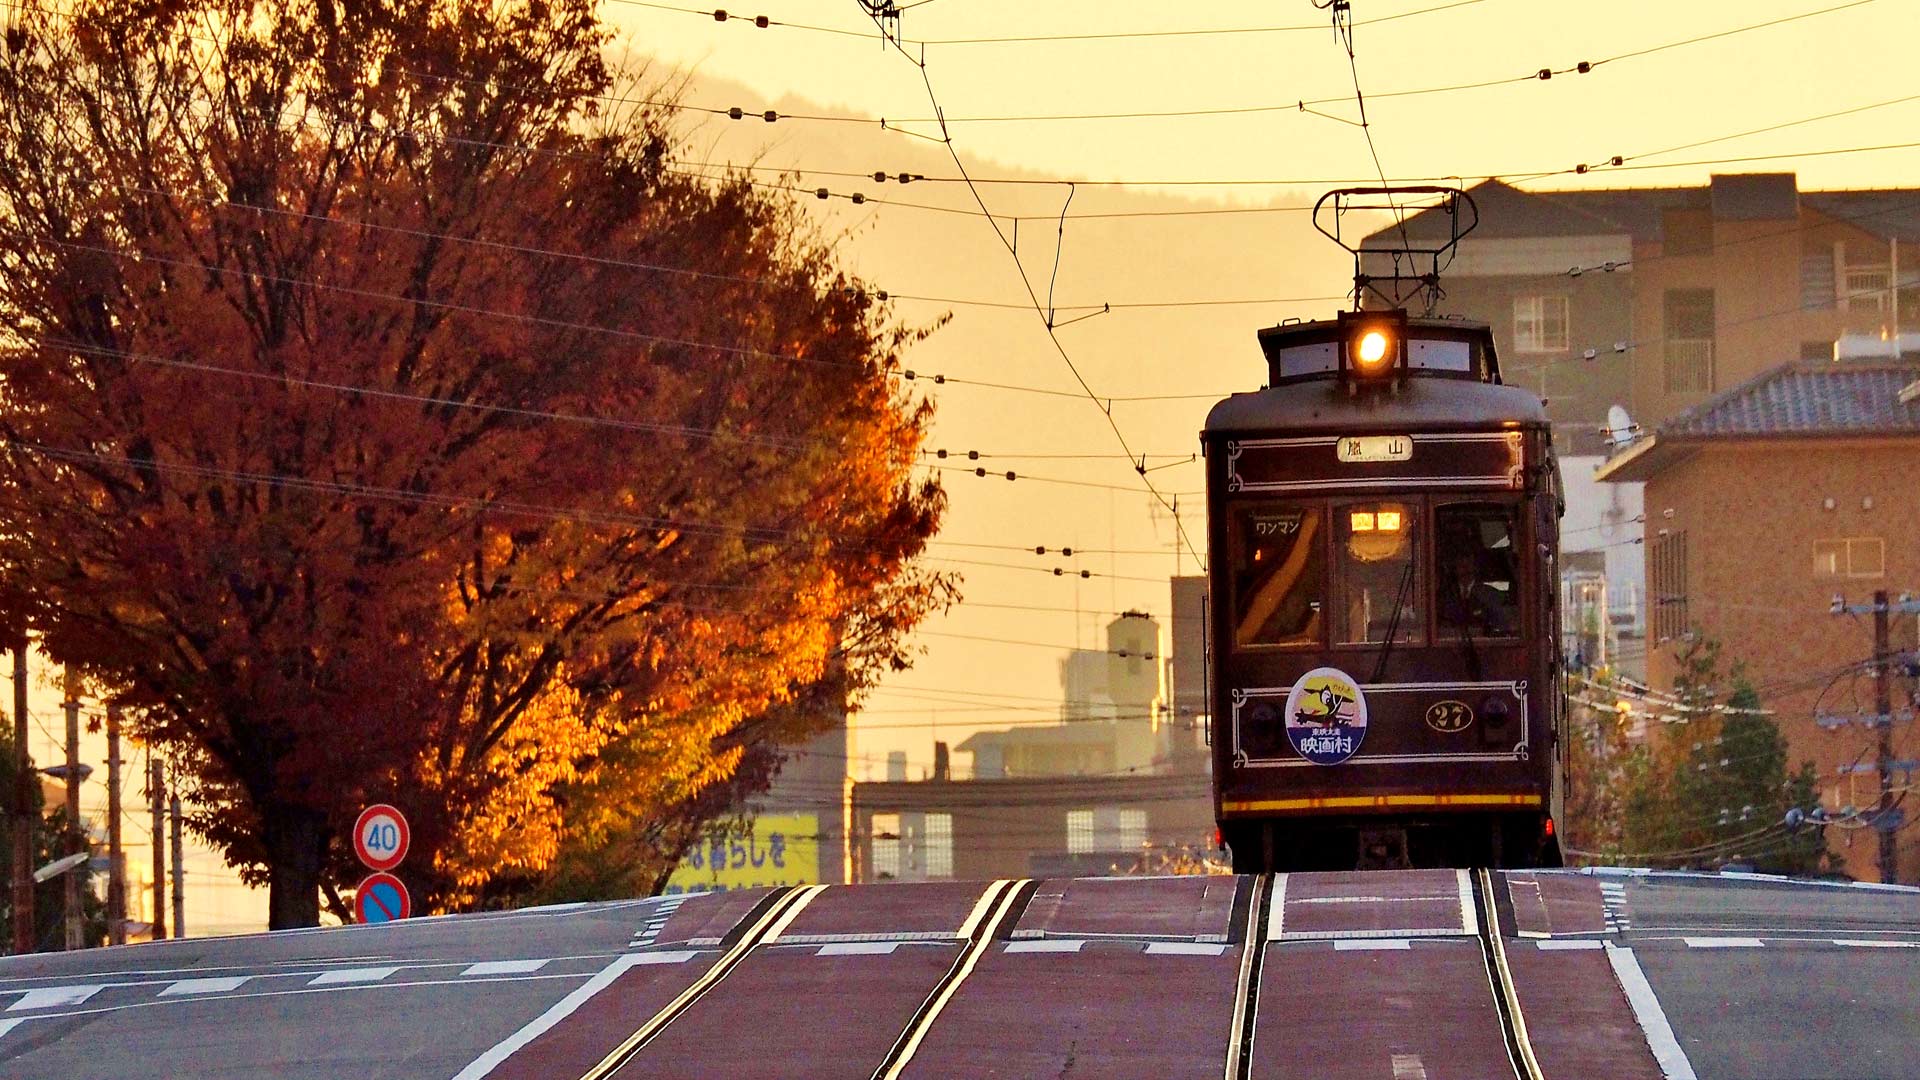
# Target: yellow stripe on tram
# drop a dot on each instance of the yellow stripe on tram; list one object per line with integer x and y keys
{"x": 1369, "y": 802}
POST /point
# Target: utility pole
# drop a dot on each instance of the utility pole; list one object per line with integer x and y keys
{"x": 179, "y": 874}
{"x": 76, "y": 838}
{"x": 157, "y": 803}
{"x": 1885, "y": 812}
{"x": 1883, "y": 752}
{"x": 22, "y": 807}
{"x": 116, "y": 857}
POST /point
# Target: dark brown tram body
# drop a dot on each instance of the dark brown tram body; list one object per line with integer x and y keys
{"x": 1400, "y": 526}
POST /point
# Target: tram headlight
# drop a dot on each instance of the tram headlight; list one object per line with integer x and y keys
{"x": 1371, "y": 350}
{"x": 1373, "y": 343}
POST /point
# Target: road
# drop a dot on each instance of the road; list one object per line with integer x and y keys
{"x": 1395, "y": 975}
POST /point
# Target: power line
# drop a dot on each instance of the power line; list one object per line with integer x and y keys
{"x": 1027, "y": 283}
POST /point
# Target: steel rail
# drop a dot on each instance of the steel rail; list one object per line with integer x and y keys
{"x": 1247, "y": 988}
{"x": 1506, "y": 997}
{"x": 1002, "y": 900}
{"x": 774, "y": 915}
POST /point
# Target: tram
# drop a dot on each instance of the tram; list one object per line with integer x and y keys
{"x": 1385, "y": 686}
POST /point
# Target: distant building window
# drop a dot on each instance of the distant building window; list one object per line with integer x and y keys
{"x": 1816, "y": 282}
{"x": 1667, "y": 585}
{"x": 1133, "y": 830}
{"x": 886, "y": 846}
{"x": 1080, "y": 832}
{"x": 939, "y": 845}
{"x": 1540, "y": 324}
{"x": 1850, "y": 557}
{"x": 1816, "y": 350}
{"x": 1867, "y": 288}
{"x": 1689, "y": 332}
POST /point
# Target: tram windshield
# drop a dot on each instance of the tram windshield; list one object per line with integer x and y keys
{"x": 1280, "y": 576}
{"x": 1477, "y": 590}
{"x": 1382, "y": 596}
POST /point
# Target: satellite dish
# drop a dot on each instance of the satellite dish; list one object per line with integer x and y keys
{"x": 1619, "y": 425}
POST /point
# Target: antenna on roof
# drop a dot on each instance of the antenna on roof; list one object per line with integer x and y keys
{"x": 1415, "y": 270}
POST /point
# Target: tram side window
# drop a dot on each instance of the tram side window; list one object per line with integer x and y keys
{"x": 1381, "y": 593}
{"x": 1476, "y": 572}
{"x": 1280, "y": 582}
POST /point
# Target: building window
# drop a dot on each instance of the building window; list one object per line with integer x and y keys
{"x": 1850, "y": 557}
{"x": 1816, "y": 350}
{"x": 1817, "y": 290}
{"x": 886, "y": 846}
{"x": 1079, "y": 832}
{"x": 1667, "y": 585}
{"x": 939, "y": 845}
{"x": 1540, "y": 324}
{"x": 1133, "y": 830}
{"x": 1689, "y": 334}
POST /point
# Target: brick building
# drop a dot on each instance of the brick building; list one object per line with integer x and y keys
{"x": 1654, "y": 300}
{"x": 1763, "y": 503}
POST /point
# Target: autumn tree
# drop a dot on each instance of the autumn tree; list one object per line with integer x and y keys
{"x": 385, "y": 418}
{"x": 1713, "y": 784}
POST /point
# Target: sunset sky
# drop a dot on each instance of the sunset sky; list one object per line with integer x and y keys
{"x": 993, "y": 660}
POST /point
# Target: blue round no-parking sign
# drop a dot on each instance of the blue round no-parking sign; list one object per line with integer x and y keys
{"x": 381, "y": 898}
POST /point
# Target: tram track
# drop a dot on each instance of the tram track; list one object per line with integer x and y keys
{"x": 773, "y": 914}
{"x": 1506, "y": 997}
{"x": 1246, "y": 994}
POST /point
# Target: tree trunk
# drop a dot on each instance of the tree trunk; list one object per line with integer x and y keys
{"x": 296, "y": 842}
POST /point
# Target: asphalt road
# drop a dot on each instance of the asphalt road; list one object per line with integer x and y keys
{"x": 1412, "y": 975}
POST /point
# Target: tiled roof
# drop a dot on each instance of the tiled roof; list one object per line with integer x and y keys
{"x": 1506, "y": 211}
{"x": 1808, "y": 398}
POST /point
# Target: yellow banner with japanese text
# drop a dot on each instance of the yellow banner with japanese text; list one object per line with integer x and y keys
{"x": 774, "y": 849}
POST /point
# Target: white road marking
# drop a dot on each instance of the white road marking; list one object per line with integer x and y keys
{"x": 1409, "y": 1067}
{"x": 1568, "y": 944}
{"x": 1723, "y": 942}
{"x": 352, "y": 975}
{"x": 505, "y": 967}
{"x": 1372, "y": 945}
{"x": 1652, "y": 1019}
{"x": 1371, "y": 899}
{"x": 48, "y": 997}
{"x": 1469, "y": 919}
{"x": 1046, "y": 945}
{"x": 1185, "y": 948}
{"x": 1858, "y": 943}
{"x": 1277, "y": 908}
{"x": 858, "y": 948}
{"x": 186, "y": 987}
{"x": 560, "y": 1010}
{"x": 9, "y": 1025}
{"x": 1361, "y": 935}
{"x": 677, "y": 956}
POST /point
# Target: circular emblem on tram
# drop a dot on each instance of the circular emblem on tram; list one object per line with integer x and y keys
{"x": 1449, "y": 716}
{"x": 1326, "y": 716}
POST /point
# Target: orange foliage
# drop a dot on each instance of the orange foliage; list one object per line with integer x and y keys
{"x": 366, "y": 432}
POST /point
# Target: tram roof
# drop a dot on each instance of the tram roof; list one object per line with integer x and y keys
{"x": 1324, "y": 404}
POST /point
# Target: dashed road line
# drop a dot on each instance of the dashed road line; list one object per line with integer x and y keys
{"x": 1372, "y": 945}
{"x": 1863, "y": 943}
{"x": 504, "y": 967}
{"x": 220, "y": 985}
{"x": 352, "y": 975}
{"x": 1723, "y": 942}
{"x": 1567, "y": 944}
{"x": 657, "y": 919}
{"x": 53, "y": 997}
{"x": 1045, "y": 945}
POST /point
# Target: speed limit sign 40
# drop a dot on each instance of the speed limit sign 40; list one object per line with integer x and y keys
{"x": 380, "y": 837}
